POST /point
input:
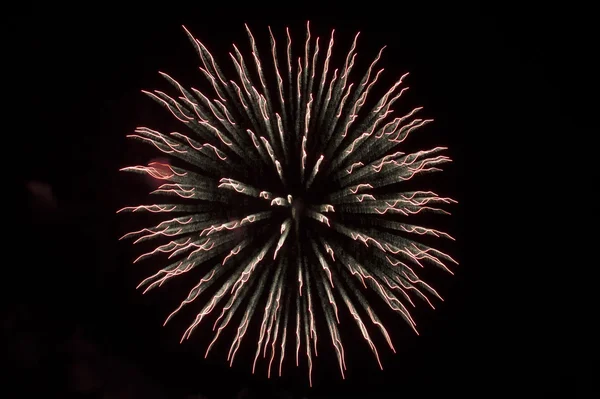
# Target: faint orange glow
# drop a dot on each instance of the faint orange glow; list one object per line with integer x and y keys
{"x": 162, "y": 166}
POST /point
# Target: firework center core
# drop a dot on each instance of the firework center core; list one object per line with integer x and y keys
{"x": 297, "y": 209}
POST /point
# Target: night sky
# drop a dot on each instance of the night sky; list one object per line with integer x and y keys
{"x": 79, "y": 327}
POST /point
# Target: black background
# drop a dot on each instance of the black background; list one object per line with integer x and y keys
{"x": 75, "y": 323}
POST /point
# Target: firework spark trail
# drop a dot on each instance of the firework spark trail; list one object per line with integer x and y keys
{"x": 308, "y": 133}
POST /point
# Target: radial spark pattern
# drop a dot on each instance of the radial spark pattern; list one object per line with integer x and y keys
{"x": 281, "y": 206}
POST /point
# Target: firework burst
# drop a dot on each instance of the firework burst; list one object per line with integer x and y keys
{"x": 282, "y": 198}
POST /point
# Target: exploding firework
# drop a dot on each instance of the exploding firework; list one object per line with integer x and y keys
{"x": 282, "y": 198}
